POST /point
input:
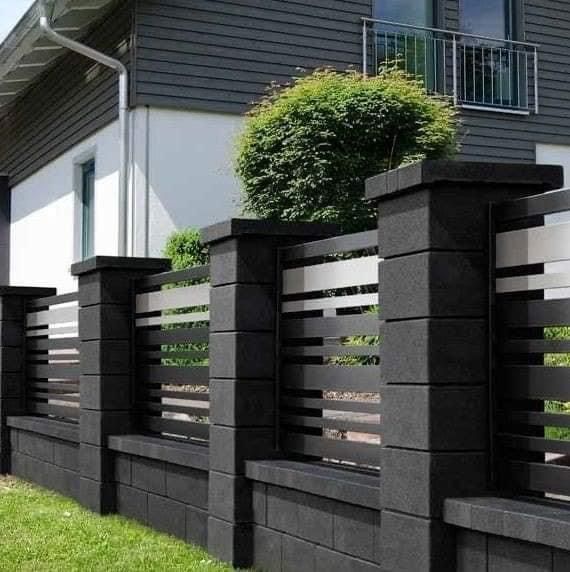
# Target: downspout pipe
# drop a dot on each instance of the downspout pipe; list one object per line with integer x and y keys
{"x": 45, "y": 25}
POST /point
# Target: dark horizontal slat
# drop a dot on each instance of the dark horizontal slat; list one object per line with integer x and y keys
{"x": 535, "y": 382}
{"x": 331, "y": 351}
{"x": 534, "y": 346}
{"x": 54, "y": 371}
{"x": 55, "y": 410}
{"x": 186, "y": 428}
{"x": 196, "y": 273}
{"x": 549, "y": 203}
{"x": 168, "y": 408}
{"x": 538, "y": 477}
{"x": 195, "y": 375}
{"x": 190, "y": 395}
{"x": 331, "y": 404}
{"x": 70, "y": 387}
{"x": 39, "y": 344}
{"x": 533, "y": 313}
{"x": 342, "y": 450}
{"x": 189, "y": 355}
{"x": 53, "y": 300}
{"x": 536, "y": 444}
{"x": 325, "y": 423}
{"x": 335, "y": 245}
{"x": 174, "y": 336}
{"x": 334, "y": 378}
{"x": 340, "y": 326}
{"x": 536, "y": 418}
{"x": 61, "y": 397}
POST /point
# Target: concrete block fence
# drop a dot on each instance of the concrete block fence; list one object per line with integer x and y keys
{"x": 243, "y": 494}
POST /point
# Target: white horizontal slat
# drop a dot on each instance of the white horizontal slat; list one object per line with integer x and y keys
{"x": 533, "y": 245}
{"x": 534, "y": 282}
{"x": 333, "y": 302}
{"x": 52, "y": 317}
{"x": 175, "y": 319}
{"x": 55, "y": 333}
{"x": 331, "y": 275}
{"x": 185, "y": 297}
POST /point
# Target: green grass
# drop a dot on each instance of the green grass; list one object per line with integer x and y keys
{"x": 42, "y": 531}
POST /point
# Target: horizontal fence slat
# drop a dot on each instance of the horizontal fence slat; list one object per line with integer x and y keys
{"x": 330, "y": 303}
{"x": 190, "y": 395}
{"x": 331, "y": 351}
{"x": 534, "y": 346}
{"x": 189, "y": 274}
{"x": 331, "y": 275}
{"x": 184, "y": 297}
{"x": 174, "y": 336}
{"x": 331, "y": 378}
{"x": 535, "y": 444}
{"x": 53, "y": 344}
{"x": 58, "y": 397}
{"x": 533, "y": 245}
{"x": 531, "y": 283}
{"x": 191, "y": 317}
{"x": 536, "y": 382}
{"x": 351, "y": 451}
{"x": 538, "y": 477}
{"x": 173, "y": 355}
{"x": 340, "y": 326}
{"x": 165, "y": 374}
{"x": 331, "y": 423}
{"x": 335, "y": 245}
{"x": 54, "y": 371}
{"x": 67, "y": 331}
{"x": 533, "y": 313}
{"x": 186, "y": 428}
{"x": 355, "y": 406}
{"x": 53, "y": 300}
{"x": 52, "y": 317}
{"x": 54, "y": 410}
{"x": 535, "y": 418}
{"x": 547, "y": 203}
{"x": 166, "y": 407}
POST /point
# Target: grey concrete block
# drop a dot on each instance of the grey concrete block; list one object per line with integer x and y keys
{"x": 196, "y": 526}
{"x": 232, "y": 543}
{"x": 242, "y": 403}
{"x": 507, "y": 555}
{"x": 411, "y": 544}
{"x": 96, "y": 463}
{"x": 105, "y": 357}
{"x": 132, "y": 503}
{"x": 12, "y": 308}
{"x": 424, "y": 351}
{"x": 105, "y": 322}
{"x": 230, "y": 447}
{"x": 327, "y": 560}
{"x": 417, "y": 482}
{"x": 471, "y": 551}
{"x": 457, "y": 512}
{"x": 230, "y": 497}
{"x": 267, "y": 549}
{"x": 105, "y": 392}
{"x": 11, "y": 360}
{"x": 12, "y": 333}
{"x": 242, "y": 307}
{"x": 437, "y": 284}
{"x": 96, "y": 426}
{"x": 148, "y": 475}
{"x": 66, "y": 455}
{"x": 12, "y": 406}
{"x": 354, "y": 530}
{"x": 445, "y": 418}
{"x": 187, "y": 485}
{"x": 36, "y": 446}
{"x": 561, "y": 560}
{"x": 97, "y": 496}
{"x": 298, "y": 555}
{"x": 122, "y": 472}
{"x": 12, "y": 385}
{"x": 167, "y": 516}
{"x": 242, "y": 355}
{"x": 316, "y": 520}
{"x": 259, "y": 503}
{"x": 283, "y": 509}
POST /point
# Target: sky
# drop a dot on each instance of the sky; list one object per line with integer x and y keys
{"x": 10, "y": 12}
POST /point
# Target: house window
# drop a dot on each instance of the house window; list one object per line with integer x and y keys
{"x": 416, "y": 12}
{"x": 491, "y": 18}
{"x": 88, "y": 209}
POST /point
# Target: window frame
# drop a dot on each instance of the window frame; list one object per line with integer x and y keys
{"x": 87, "y": 200}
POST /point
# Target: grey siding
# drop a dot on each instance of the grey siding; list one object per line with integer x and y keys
{"x": 222, "y": 54}
{"x": 68, "y": 103}
{"x": 501, "y": 137}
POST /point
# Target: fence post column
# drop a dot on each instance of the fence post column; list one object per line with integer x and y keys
{"x": 434, "y": 236}
{"x": 243, "y": 311}
{"x": 106, "y": 344}
{"x": 12, "y": 359}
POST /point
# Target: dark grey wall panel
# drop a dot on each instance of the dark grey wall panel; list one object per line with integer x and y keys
{"x": 502, "y": 137}
{"x": 68, "y": 103}
{"x": 221, "y": 55}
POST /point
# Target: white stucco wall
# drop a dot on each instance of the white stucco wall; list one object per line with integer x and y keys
{"x": 181, "y": 176}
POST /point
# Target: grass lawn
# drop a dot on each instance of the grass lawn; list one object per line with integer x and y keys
{"x": 42, "y": 531}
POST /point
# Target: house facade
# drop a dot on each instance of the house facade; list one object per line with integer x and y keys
{"x": 195, "y": 67}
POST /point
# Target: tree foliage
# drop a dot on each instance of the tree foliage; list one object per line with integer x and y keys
{"x": 186, "y": 250}
{"x": 308, "y": 147}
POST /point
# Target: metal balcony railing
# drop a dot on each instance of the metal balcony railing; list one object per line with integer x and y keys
{"x": 478, "y": 72}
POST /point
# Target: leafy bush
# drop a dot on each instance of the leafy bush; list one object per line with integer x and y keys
{"x": 185, "y": 249}
{"x": 307, "y": 148}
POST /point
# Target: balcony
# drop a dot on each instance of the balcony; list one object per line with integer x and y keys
{"x": 477, "y": 72}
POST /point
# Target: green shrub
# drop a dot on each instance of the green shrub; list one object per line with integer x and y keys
{"x": 307, "y": 148}
{"x": 186, "y": 250}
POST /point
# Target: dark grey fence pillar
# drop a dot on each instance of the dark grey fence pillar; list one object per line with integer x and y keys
{"x": 12, "y": 359}
{"x": 433, "y": 235}
{"x": 106, "y": 334}
{"x": 5, "y": 217}
{"x": 244, "y": 275}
